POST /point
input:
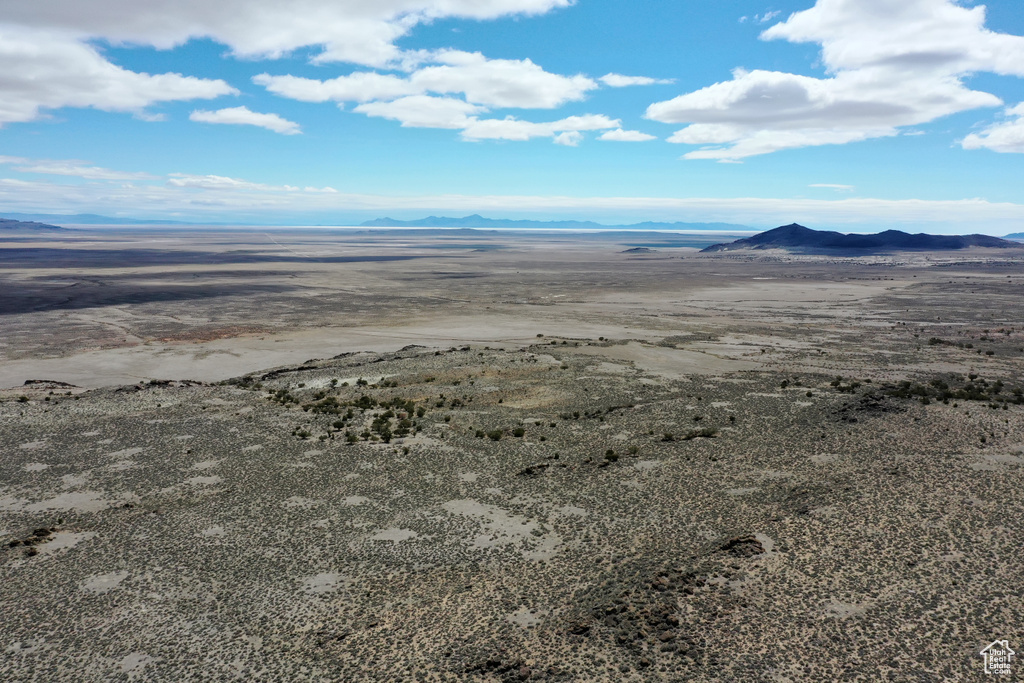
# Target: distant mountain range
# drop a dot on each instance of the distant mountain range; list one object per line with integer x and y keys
{"x": 8, "y": 225}
{"x": 86, "y": 219}
{"x": 796, "y": 237}
{"x": 477, "y": 221}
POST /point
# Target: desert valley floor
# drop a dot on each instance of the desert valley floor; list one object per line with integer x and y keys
{"x": 374, "y": 456}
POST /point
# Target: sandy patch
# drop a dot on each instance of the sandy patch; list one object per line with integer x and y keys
{"x": 64, "y": 540}
{"x": 203, "y": 481}
{"x": 323, "y": 583}
{"x": 104, "y": 583}
{"x": 524, "y": 617}
{"x": 80, "y": 501}
{"x": 394, "y": 534}
{"x": 134, "y": 663}
{"x": 500, "y": 528}
{"x": 125, "y": 453}
{"x": 205, "y": 464}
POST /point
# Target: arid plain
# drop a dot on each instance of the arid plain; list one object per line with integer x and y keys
{"x": 484, "y": 456}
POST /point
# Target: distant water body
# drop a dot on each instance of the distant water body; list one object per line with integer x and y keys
{"x": 652, "y": 239}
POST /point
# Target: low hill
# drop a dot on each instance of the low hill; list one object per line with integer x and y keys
{"x": 9, "y": 225}
{"x": 796, "y": 237}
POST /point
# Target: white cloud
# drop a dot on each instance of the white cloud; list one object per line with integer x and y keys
{"x": 225, "y": 183}
{"x": 424, "y": 111}
{"x": 345, "y": 30}
{"x": 767, "y": 16}
{"x": 918, "y": 36}
{"x": 497, "y": 83}
{"x": 619, "y": 135}
{"x": 243, "y": 116}
{"x": 570, "y": 138}
{"x": 890, "y": 65}
{"x": 45, "y": 70}
{"x": 362, "y": 86}
{"x": 516, "y": 129}
{"x": 78, "y": 169}
{"x": 429, "y": 96}
{"x": 216, "y": 182}
{"x": 47, "y": 60}
{"x": 620, "y": 81}
{"x": 1007, "y": 136}
{"x": 834, "y": 186}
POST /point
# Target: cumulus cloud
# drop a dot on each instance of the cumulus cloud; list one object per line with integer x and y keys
{"x": 620, "y": 81}
{"x": 46, "y": 70}
{"x": 453, "y": 89}
{"x": 343, "y": 30}
{"x": 498, "y": 83}
{"x": 1006, "y": 136}
{"x": 48, "y": 61}
{"x": 424, "y": 111}
{"x": 243, "y": 116}
{"x": 570, "y": 138}
{"x": 516, "y": 129}
{"x": 890, "y": 66}
{"x": 362, "y": 86}
{"x": 619, "y": 135}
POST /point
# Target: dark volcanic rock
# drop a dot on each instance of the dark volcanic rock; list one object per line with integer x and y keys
{"x": 796, "y": 237}
{"x": 868, "y": 405}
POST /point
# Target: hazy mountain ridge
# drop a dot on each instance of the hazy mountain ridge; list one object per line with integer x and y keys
{"x": 478, "y": 221}
{"x": 8, "y": 224}
{"x": 799, "y": 238}
{"x": 88, "y": 219}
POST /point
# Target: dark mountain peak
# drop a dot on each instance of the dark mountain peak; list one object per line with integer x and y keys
{"x": 795, "y": 237}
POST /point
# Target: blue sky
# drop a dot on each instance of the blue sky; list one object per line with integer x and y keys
{"x": 844, "y": 114}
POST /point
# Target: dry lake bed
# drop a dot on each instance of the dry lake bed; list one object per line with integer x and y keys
{"x": 477, "y": 456}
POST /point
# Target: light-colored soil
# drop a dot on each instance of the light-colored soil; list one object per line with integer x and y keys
{"x": 694, "y": 493}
